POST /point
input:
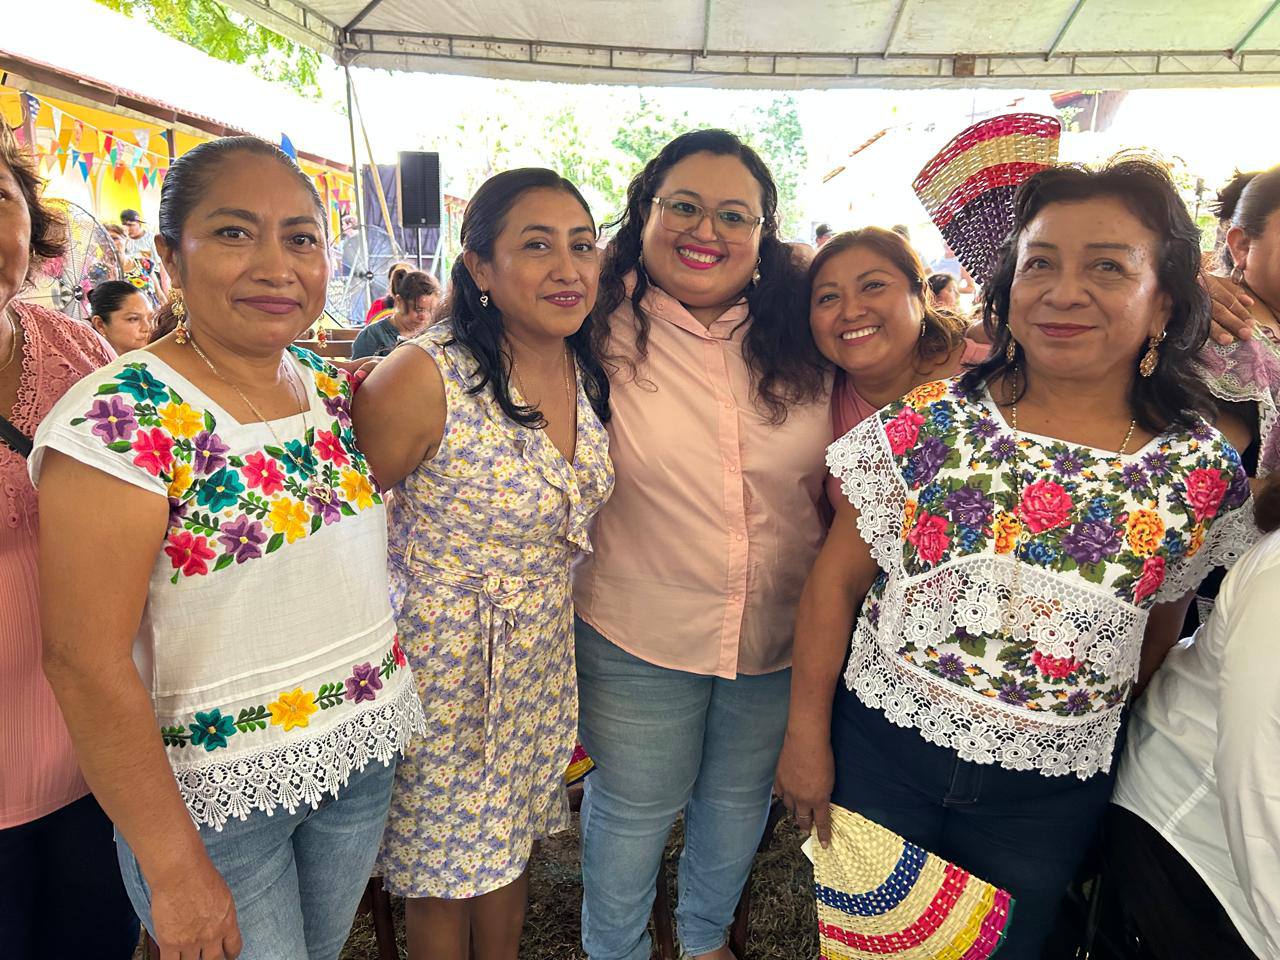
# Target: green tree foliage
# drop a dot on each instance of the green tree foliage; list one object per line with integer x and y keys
{"x": 210, "y": 27}
{"x": 774, "y": 132}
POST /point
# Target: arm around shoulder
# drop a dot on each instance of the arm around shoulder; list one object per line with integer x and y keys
{"x": 399, "y": 414}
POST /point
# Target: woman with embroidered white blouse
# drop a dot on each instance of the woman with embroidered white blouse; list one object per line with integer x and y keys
{"x": 1021, "y": 543}
{"x": 235, "y": 689}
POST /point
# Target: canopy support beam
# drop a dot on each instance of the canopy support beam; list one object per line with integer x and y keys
{"x": 706, "y": 27}
{"x": 355, "y": 164}
{"x": 1257, "y": 25}
{"x": 359, "y": 17}
{"x": 893, "y": 29}
{"x": 1062, "y": 32}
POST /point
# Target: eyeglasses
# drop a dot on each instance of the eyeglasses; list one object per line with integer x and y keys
{"x": 682, "y": 216}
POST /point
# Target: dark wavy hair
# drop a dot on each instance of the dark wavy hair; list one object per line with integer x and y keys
{"x": 944, "y": 330}
{"x": 1247, "y": 202}
{"x": 190, "y": 175}
{"x": 1174, "y": 393}
{"x": 479, "y": 328}
{"x": 785, "y": 365}
{"x": 48, "y": 226}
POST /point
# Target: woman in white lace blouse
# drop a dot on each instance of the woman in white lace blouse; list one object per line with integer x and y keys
{"x": 1022, "y": 542}
{"x": 214, "y": 591}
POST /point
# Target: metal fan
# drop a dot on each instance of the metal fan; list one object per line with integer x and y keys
{"x": 63, "y": 283}
{"x": 360, "y": 273}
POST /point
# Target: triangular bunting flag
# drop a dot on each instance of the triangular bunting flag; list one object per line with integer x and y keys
{"x": 108, "y": 142}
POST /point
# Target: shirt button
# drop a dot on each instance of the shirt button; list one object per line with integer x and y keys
{"x": 739, "y": 537}
{"x": 728, "y": 405}
{"x": 733, "y": 468}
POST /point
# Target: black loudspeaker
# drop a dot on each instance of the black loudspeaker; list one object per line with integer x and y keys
{"x": 421, "y": 194}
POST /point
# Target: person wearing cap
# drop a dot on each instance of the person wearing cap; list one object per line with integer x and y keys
{"x": 141, "y": 246}
{"x": 821, "y": 234}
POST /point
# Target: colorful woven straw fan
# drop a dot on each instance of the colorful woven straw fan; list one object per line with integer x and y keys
{"x": 968, "y": 187}
{"x": 579, "y": 766}
{"x": 880, "y": 896}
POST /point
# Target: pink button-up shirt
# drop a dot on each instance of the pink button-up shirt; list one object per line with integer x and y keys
{"x": 702, "y": 550}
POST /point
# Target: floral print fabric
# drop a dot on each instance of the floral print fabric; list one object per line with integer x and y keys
{"x": 268, "y": 641}
{"x": 482, "y": 537}
{"x": 1008, "y": 618}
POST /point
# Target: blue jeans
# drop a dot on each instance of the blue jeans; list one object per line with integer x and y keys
{"x": 1017, "y": 829}
{"x": 665, "y": 740}
{"x": 296, "y": 878}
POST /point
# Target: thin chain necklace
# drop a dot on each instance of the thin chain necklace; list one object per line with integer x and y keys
{"x": 13, "y": 344}
{"x": 1009, "y": 619}
{"x": 570, "y": 371}
{"x": 320, "y": 491}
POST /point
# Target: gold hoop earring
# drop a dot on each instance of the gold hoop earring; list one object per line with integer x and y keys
{"x": 1237, "y": 276}
{"x": 178, "y": 308}
{"x": 1151, "y": 359}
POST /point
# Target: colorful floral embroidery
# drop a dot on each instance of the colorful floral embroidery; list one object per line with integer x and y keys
{"x": 291, "y": 709}
{"x": 1098, "y": 538}
{"x": 222, "y": 505}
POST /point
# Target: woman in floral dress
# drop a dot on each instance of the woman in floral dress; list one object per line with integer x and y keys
{"x": 1023, "y": 542}
{"x": 489, "y": 427}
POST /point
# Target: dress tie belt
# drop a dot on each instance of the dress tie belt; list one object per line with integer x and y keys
{"x": 498, "y": 600}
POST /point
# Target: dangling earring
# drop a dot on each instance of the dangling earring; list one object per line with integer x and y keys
{"x": 1237, "y": 276}
{"x": 755, "y": 274}
{"x": 484, "y": 299}
{"x": 1011, "y": 350}
{"x": 179, "y": 309}
{"x": 1147, "y": 366}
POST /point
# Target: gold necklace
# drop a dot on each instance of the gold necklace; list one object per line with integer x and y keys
{"x": 13, "y": 344}
{"x": 321, "y": 491}
{"x": 1009, "y": 619}
{"x": 570, "y": 370}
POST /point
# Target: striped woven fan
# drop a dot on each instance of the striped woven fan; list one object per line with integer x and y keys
{"x": 579, "y": 766}
{"x": 968, "y": 187}
{"x": 882, "y": 897}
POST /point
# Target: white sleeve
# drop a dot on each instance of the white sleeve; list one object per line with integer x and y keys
{"x": 1247, "y": 761}
{"x": 863, "y": 463}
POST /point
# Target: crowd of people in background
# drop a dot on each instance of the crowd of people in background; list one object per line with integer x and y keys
{"x": 746, "y": 518}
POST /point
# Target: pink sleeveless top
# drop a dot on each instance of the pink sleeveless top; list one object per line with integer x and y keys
{"x": 38, "y": 771}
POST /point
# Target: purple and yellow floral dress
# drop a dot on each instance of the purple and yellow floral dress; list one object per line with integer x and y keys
{"x": 482, "y": 538}
{"x": 1008, "y": 619}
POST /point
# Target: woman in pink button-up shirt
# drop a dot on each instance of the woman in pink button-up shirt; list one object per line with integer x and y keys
{"x": 720, "y": 422}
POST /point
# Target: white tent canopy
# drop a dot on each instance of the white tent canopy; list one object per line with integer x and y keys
{"x": 801, "y": 43}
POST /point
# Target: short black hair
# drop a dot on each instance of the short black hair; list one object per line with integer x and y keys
{"x": 822, "y": 229}
{"x": 1248, "y": 202}
{"x": 1174, "y": 393}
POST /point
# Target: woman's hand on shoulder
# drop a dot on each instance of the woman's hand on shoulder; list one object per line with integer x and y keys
{"x": 399, "y": 414}
{"x": 1229, "y": 309}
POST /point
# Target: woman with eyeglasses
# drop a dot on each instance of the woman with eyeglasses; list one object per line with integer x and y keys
{"x": 720, "y": 419}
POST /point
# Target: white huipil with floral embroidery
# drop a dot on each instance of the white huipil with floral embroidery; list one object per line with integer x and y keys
{"x": 1099, "y": 539}
{"x": 267, "y": 641}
